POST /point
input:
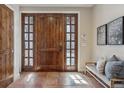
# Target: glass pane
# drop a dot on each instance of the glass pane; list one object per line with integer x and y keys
{"x": 26, "y": 53}
{"x": 26, "y": 61}
{"x": 72, "y": 28}
{"x": 31, "y": 53}
{"x": 68, "y": 53}
{"x": 72, "y": 61}
{"x": 72, "y": 20}
{"x": 26, "y": 36}
{"x": 31, "y": 20}
{"x": 68, "y": 28}
{"x": 72, "y": 36}
{"x": 67, "y": 36}
{"x": 26, "y": 45}
{"x": 31, "y": 28}
{"x": 26, "y": 20}
{"x": 31, "y": 36}
{"x": 31, "y": 45}
{"x": 31, "y": 61}
{"x": 68, "y": 61}
{"x": 26, "y": 28}
{"x": 72, "y": 53}
{"x": 67, "y": 20}
{"x": 68, "y": 45}
{"x": 73, "y": 45}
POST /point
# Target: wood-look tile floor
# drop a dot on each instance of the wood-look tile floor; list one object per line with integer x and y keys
{"x": 55, "y": 80}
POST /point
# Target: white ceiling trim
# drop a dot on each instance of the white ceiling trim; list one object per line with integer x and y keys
{"x": 74, "y": 12}
{"x": 56, "y": 5}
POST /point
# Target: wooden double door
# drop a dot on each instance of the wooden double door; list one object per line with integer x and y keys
{"x": 48, "y": 42}
{"x": 6, "y": 46}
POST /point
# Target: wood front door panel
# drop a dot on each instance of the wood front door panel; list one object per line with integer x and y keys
{"x": 50, "y": 42}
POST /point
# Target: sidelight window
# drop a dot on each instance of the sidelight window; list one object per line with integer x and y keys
{"x": 70, "y": 42}
{"x": 28, "y": 32}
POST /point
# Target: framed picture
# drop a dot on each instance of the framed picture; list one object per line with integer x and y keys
{"x": 115, "y": 32}
{"x": 101, "y": 35}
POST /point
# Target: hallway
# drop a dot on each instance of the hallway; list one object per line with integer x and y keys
{"x": 54, "y": 80}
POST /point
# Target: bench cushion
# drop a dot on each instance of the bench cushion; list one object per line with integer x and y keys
{"x": 92, "y": 68}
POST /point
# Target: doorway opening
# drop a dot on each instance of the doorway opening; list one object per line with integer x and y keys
{"x": 49, "y": 42}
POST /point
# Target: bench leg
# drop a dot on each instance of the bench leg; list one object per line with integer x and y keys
{"x": 112, "y": 84}
{"x": 86, "y": 72}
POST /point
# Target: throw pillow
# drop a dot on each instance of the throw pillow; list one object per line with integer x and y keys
{"x": 113, "y": 58}
{"x": 114, "y": 69}
{"x": 101, "y": 65}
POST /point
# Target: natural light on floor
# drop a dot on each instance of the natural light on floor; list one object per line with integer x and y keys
{"x": 29, "y": 77}
{"x": 78, "y": 79}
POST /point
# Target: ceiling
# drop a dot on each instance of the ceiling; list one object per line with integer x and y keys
{"x": 55, "y": 5}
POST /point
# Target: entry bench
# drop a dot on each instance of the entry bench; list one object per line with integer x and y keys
{"x": 101, "y": 78}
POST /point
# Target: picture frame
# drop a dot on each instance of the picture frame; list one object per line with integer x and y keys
{"x": 101, "y": 35}
{"x": 115, "y": 32}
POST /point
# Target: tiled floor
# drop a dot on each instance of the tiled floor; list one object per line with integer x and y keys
{"x": 54, "y": 80}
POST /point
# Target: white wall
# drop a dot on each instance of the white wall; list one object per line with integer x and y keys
{"x": 103, "y": 14}
{"x": 90, "y": 19}
{"x": 17, "y": 40}
{"x": 84, "y": 27}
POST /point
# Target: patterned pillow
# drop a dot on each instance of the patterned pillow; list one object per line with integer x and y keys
{"x": 101, "y": 65}
{"x": 114, "y": 69}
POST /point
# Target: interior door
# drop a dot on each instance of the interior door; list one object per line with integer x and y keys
{"x": 9, "y": 45}
{"x": 50, "y": 42}
{"x": 6, "y": 46}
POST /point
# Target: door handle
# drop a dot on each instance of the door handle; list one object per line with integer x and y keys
{"x": 60, "y": 46}
{"x": 12, "y": 51}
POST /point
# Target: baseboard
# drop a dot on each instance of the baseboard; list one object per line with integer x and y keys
{"x": 16, "y": 77}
